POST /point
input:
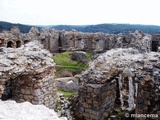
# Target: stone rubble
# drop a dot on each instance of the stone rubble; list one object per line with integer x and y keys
{"x": 65, "y": 107}
{"x": 67, "y": 83}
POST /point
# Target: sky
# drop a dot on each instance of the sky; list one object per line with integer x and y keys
{"x": 80, "y": 12}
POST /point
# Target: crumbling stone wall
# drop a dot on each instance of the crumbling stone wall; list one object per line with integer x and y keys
{"x": 83, "y": 41}
{"x": 54, "y": 40}
{"x": 26, "y": 74}
{"x": 148, "y": 98}
{"x": 128, "y": 70}
{"x": 14, "y": 39}
{"x": 11, "y": 39}
{"x": 101, "y": 42}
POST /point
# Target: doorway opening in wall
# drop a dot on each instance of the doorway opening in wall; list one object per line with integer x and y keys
{"x": 155, "y": 46}
{"x": 60, "y": 45}
{"x": 43, "y": 41}
{"x": 7, "y": 93}
{"x": 10, "y": 44}
{"x": 18, "y": 44}
{"x": 26, "y": 41}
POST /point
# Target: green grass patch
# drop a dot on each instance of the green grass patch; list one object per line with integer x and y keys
{"x": 89, "y": 56}
{"x": 64, "y": 63}
{"x": 67, "y": 93}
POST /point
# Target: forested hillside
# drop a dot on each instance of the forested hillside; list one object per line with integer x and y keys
{"x": 106, "y": 28}
{"x": 7, "y": 26}
{"x": 111, "y": 28}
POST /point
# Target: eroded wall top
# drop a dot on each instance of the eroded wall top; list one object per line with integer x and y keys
{"x": 54, "y": 40}
{"x": 116, "y": 61}
{"x": 28, "y": 59}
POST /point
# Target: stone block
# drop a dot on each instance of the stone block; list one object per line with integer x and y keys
{"x": 147, "y": 102}
{"x": 2, "y": 81}
{"x": 26, "y": 91}
{"x": 37, "y": 92}
{"x": 89, "y": 101}
{"x": 86, "y": 105}
{"x": 28, "y": 97}
{"x": 94, "y": 117}
{"x": 86, "y": 115}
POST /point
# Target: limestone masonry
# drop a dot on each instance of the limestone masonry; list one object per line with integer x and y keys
{"x": 55, "y": 41}
{"x": 125, "y": 75}
{"x": 27, "y": 73}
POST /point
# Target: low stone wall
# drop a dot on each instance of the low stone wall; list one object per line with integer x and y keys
{"x": 26, "y": 74}
{"x": 135, "y": 75}
{"x": 100, "y": 42}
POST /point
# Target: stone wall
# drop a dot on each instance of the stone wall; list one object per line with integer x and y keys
{"x": 101, "y": 42}
{"x": 26, "y": 74}
{"x": 135, "y": 75}
{"x": 55, "y": 41}
{"x": 11, "y": 39}
{"x": 96, "y": 100}
{"x": 148, "y": 97}
{"x": 83, "y": 41}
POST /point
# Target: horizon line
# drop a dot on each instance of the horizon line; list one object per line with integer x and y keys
{"x": 81, "y": 25}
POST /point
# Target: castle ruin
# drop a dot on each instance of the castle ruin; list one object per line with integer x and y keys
{"x": 128, "y": 73}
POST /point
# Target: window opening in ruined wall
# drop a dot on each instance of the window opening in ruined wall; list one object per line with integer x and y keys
{"x": 26, "y": 41}
{"x": 10, "y": 44}
{"x": 43, "y": 41}
{"x": 155, "y": 46}
{"x": 18, "y": 44}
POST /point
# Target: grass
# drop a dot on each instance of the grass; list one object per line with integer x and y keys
{"x": 89, "y": 56}
{"x": 64, "y": 63}
{"x": 67, "y": 93}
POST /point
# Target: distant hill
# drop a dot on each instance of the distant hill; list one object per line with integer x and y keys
{"x": 111, "y": 28}
{"x": 105, "y": 28}
{"x": 7, "y": 26}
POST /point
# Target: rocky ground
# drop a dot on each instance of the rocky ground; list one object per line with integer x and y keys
{"x": 10, "y": 110}
{"x": 65, "y": 106}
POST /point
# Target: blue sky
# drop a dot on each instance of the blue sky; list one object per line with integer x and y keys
{"x": 80, "y": 12}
